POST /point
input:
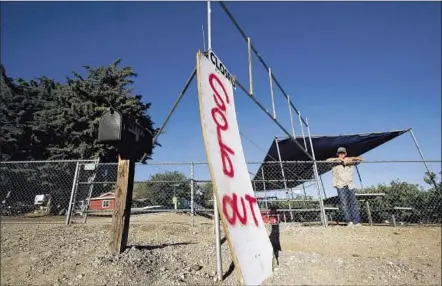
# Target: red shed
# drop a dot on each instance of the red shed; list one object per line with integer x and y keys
{"x": 105, "y": 201}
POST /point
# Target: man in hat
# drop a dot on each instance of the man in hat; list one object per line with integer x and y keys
{"x": 343, "y": 182}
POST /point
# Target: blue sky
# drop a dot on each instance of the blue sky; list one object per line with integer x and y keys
{"x": 349, "y": 67}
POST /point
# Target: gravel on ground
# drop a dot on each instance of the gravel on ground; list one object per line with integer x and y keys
{"x": 164, "y": 249}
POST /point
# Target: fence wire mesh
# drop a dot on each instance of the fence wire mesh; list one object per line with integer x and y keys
{"x": 36, "y": 189}
{"x": 388, "y": 192}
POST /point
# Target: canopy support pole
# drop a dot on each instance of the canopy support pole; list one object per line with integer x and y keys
{"x": 360, "y": 178}
{"x": 175, "y": 105}
{"x": 305, "y": 193}
{"x": 302, "y": 130}
{"x": 283, "y": 175}
{"x": 315, "y": 170}
{"x": 264, "y": 186}
{"x": 323, "y": 188}
{"x": 291, "y": 117}
{"x": 425, "y": 163}
{"x": 216, "y": 215}
{"x": 271, "y": 93}
{"x": 252, "y": 97}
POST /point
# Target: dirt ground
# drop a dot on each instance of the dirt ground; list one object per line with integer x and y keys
{"x": 166, "y": 250}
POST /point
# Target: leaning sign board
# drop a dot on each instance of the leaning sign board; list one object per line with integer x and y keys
{"x": 245, "y": 231}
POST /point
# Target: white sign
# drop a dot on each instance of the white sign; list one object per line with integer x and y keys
{"x": 246, "y": 233}
{"x": 39, "y": 199}
{"x": 89, "y": 167}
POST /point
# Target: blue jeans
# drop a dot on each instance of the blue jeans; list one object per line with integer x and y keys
{"x": 349, "y": 204}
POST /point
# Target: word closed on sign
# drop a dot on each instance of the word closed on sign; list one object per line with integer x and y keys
{"x": 245, "y": 231}
{"x": 220, "y": 67}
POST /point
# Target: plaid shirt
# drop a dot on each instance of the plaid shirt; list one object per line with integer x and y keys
{"x": 343, "y": 176}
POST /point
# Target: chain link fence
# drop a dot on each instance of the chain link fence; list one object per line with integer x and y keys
{"x": 388, "y": 192}
{"x": 37, "y": 190}
{"x": 381, "y": 192}
{"x": 158, "y": 188}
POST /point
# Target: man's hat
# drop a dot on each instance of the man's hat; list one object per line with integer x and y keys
{"x": 341, "y": 150}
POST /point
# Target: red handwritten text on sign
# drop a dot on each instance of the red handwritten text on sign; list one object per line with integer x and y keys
{"x": 232, "y": 203}
{"x": 219, "y": 117}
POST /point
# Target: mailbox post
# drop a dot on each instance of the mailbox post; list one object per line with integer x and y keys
{"x": 131, "y": 141}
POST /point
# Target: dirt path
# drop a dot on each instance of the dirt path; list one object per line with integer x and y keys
{"x": 168, "y": 251}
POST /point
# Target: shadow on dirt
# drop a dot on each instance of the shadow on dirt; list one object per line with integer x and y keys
{"x": 276, "y": 244}
{"x": 203, "y": 214}
{"x": 275, "y": 241}
{"x": 150, "y": 247}
{"x": 229, "y": 271}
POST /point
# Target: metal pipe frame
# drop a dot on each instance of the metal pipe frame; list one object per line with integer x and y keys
{"x": 209, "y": 26}
{"x": 183, "y": 163}
{"x": 323, "y": 188}
{"x": 282, "y": 173}
{"x": 264, "y": 186}
{"x": 175, "y": 105}
{"x": 73, "y": 190}
{"x": 425, "y": 163}
{"x": 286, "y": 200}
{"x": 305, "y": 193}
{"x": 251, "y": 96}
{"x": 271, "y": 77}
{"x": 302, "y": 131}
{"x": 192, "y": 190}
{"x": 243, "y": 34}
{"x": 291, "y": 118}
{"x": 91, "y": 190}
{"x": 271, "y": 93}
{"x": 249, "y": 92}
{"x": 216, "y": 216}
{"x": 359, "y": 176}
{"x": 208, "y": 181}
{"x": 249, "y": 51}
{"x": 315, "y": 169}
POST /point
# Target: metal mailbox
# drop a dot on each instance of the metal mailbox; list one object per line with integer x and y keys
{"x": 110, "y": 130}
{"x": 114, "y": 129}
{"x": 139, "y": 137}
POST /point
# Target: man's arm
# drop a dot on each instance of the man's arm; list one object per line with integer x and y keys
{"x": 353, "y": 160}
{"x": 360, "y": 159}
{"x": 334, "y": 159}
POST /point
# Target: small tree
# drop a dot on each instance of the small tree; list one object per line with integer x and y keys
{"x": 425, "y": 204}
{"x": 433, "y": 199}
{"x": 161, "y": 188}
{"x": 207, "y": 197}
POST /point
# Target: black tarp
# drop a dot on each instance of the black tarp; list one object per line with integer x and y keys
{"x": 324, "y": 146}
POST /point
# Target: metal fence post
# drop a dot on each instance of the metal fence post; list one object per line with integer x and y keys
{"x": 91, "y": 190}
{"x": 219, "y": 265}
{"x": 74, "y": 187}
{"x": 264, "y": 186}
{"x": 192, "y": 202}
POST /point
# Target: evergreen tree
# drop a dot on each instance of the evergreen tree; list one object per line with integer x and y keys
{"x": 45, "y": 120}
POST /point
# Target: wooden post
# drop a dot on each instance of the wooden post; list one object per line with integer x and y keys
{"x": 123, "y": 202}
{"x": 131, "y": 140}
